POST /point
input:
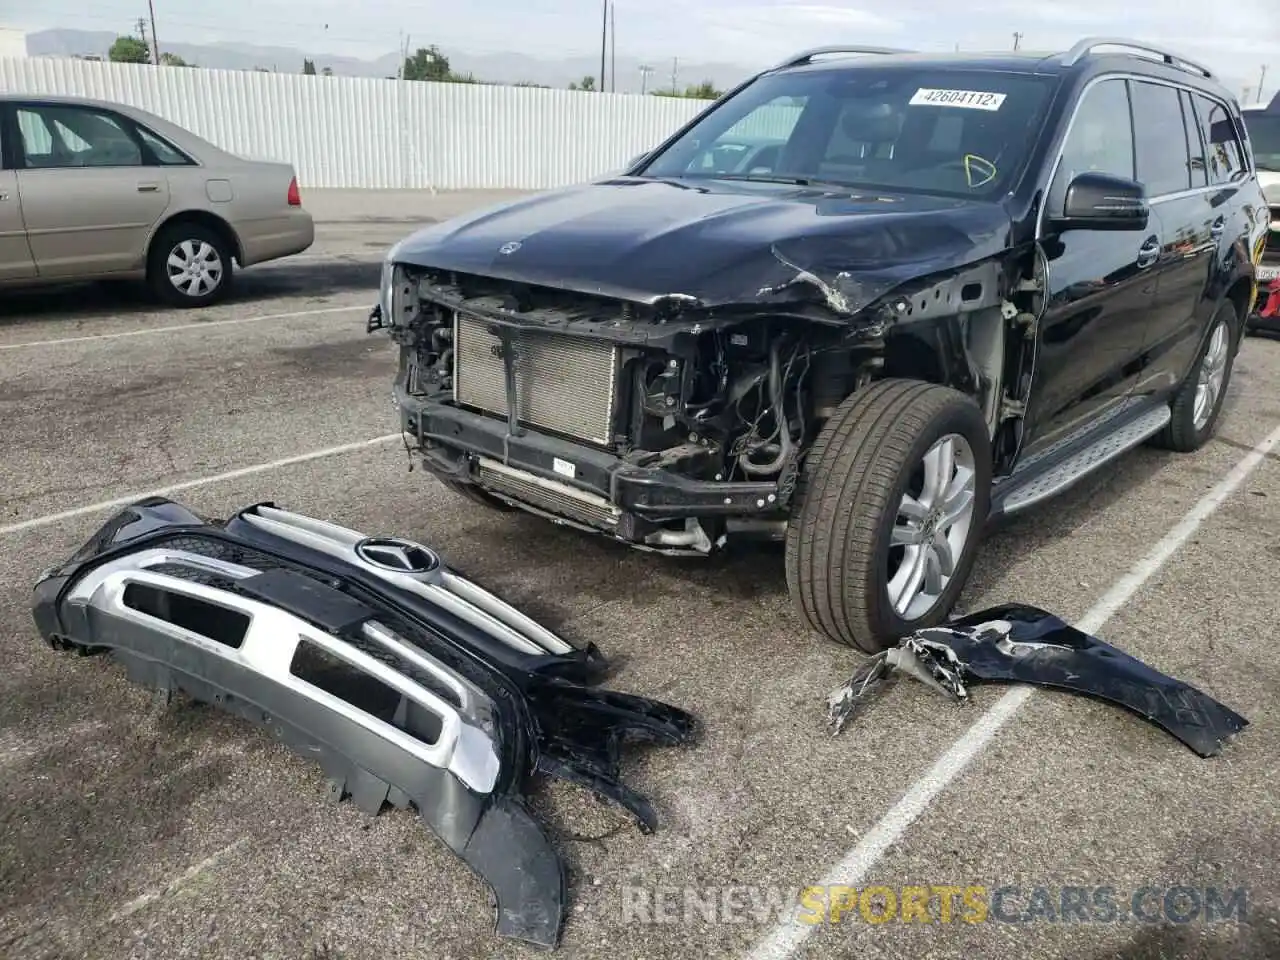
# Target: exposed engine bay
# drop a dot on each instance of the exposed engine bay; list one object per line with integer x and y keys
{"x": 668, "y": 424}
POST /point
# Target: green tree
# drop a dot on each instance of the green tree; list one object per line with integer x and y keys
{"x": 427, "y": 63}
{"x": 706, "y": 90}
{"x": 586, "y": 83}
{"x": 327, "y": 71}
{"x": 173, "y": 60}
{"x": 309, "y": 67}
{"x": 129, "y": 50}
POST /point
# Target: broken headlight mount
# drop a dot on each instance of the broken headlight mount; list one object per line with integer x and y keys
{"x": 1016, "y": 643}
{"x": 410, "y": 683}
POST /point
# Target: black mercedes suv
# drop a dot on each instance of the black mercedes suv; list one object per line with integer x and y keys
{"x": 866, "y": 302}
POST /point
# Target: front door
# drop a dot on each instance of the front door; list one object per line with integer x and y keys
{"x": 1101, "y": 284}
{"x": 88, "y": 200}
{"x": 15, "y": 254}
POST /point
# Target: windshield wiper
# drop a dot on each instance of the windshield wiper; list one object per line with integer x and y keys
{"x": 762, "y": 178}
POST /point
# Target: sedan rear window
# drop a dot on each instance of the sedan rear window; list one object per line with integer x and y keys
{"x": 951, "y": 132}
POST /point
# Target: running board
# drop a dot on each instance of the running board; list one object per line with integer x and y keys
{"x": 1017, "y": 493}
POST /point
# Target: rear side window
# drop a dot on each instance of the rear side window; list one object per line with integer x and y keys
{"x": 1160, "y": 138}
{"x": 1225, "y": 159}
{"x": 1100, "y": 140}
{"x": 165, "y": 153}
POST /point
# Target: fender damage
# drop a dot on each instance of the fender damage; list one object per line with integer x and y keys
{"x": 409, "y": 683}
{"x": 1016, "y": 643}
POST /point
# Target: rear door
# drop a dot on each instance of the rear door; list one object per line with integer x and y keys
{"x": 15, "y": 254}
{"x": 1192, "y": 188}
{"x": 88, "y": 197}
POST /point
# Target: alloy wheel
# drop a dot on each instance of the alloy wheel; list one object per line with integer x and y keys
{"x": 194, "y": 267}
{"x": 934, "y": 521}
{"x": 1213, "y": 370}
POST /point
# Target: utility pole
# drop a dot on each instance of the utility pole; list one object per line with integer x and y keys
{"x": 675, "y": 72}
{"x": 613, "y": 50}
{"x": 604, "y": 36}
{"x": 1017, "y": 39}
{"x": 142, "y": 30}
{"x": 155, "y": 41}
{"x": 1262, "y": 79}
{"x": 645, "y": 70}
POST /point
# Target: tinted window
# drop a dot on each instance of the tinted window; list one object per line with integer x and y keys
{"x": 164, "y": 152}
{"x": 1264, "y": 131}
{"x": 1195, "y": 146}
{"x": 1226, "y": 157}
{"x": 57, "y": 136}
{"x": 962, "y": 132}
{"x": 1100, "y": 140}
{"x": 1160, "y": 139}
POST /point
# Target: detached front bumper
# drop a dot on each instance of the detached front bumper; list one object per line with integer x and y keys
{"x": 571, "y": 482}
{"x": 409, "y": 683}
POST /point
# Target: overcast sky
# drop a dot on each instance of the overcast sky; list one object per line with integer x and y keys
{"x": 1236, "y": 36}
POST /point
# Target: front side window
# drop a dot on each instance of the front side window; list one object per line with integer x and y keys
{"x": 1160, "y": 138}
{"x": 1100, "y": 140}
{"x": 59, "y": 136}
{"x": 950, "y": 132}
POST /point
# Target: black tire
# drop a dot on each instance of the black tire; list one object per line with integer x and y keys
{"x": 838, "y": 550}
{"x": 1182, "y": 434}
{"x": 169, "y": 240}
{"x": 477, "y": 495}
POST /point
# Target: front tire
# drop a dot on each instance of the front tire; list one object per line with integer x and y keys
{"x": 889, "y": 511}
{"x": 189, "y": 265}
{"x": 1198, "y": 403}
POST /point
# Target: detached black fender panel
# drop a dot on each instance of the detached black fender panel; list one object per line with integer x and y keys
{"x": 1016, "y": 643}
{"x": 408, "y": 682}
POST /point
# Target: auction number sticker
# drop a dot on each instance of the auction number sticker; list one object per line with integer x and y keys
{"x": 969, "y": 99}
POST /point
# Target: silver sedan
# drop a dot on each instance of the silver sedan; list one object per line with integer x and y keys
{"x": 95, "y": 190}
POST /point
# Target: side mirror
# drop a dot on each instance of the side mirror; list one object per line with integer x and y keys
{"x": 1100, "y": 201}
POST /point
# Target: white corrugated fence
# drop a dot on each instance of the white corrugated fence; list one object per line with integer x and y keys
{"x": 358, "y": 132}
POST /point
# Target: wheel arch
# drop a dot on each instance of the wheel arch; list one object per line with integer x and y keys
{"x": 205, "y": 219}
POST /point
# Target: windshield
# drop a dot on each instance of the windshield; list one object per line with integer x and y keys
{"x": 951, "y": 132}
{"x": 1264, "y": 133}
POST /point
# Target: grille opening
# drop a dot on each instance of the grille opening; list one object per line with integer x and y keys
{"x": 211, "y": 620}
{"x": 318, "y": 667}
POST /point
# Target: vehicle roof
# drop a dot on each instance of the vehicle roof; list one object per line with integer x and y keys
{"x": 1057, "y": 64}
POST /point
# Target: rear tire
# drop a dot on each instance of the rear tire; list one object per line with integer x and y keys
{"x": 189, "y": 265}
{"x": 1198, "y": 402}
{"x": 865, "y": 510}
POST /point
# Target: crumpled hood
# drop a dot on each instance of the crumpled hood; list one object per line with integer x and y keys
{"x": 721, "y": 242}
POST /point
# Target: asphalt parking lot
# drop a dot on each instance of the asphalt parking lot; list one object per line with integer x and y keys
{"x": 128, "y": 831}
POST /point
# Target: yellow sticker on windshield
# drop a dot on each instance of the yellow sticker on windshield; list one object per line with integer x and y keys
{"x": 969, "y": 99}
{"x": 978, "y": 172}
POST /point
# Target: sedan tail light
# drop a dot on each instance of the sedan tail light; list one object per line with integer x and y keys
{"x": 295, "y": 198}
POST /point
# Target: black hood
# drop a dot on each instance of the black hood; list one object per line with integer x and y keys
{"x": 718, "y": 241}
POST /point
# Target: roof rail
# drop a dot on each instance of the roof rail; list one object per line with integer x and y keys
{"x": 1085, "y": 47}
{"x": 807, "y": 56}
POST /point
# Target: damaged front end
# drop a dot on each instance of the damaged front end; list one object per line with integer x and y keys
{"x": 409, "y": 683}
{"x": 675, "y": 422}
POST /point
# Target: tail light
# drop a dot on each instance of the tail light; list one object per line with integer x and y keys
{"x": 295, "y": 198}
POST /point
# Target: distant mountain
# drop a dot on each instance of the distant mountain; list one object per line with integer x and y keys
{"x": 495, "y": 67}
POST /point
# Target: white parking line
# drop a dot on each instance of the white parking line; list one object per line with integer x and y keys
{"x": 178, "y": 882}
{"x": 785, "y": 938}
{"x": 198, "y": 325}
{"x": 52, "y": 518}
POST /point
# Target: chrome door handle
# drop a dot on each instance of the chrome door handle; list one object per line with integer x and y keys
{"x": 4, "y": 195}
{"x": 148, "y": 187}
{"x": 1148, "y": 252}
